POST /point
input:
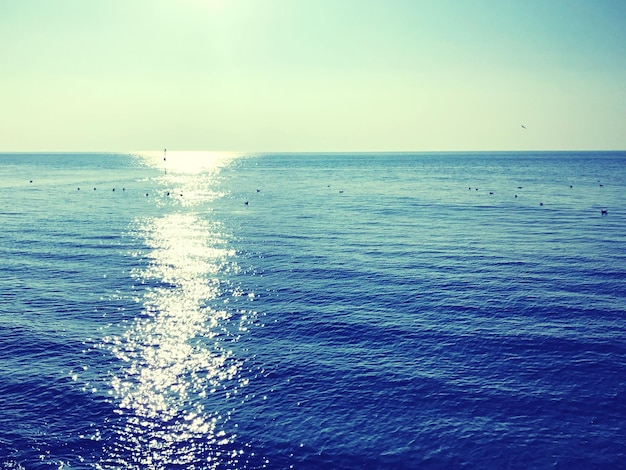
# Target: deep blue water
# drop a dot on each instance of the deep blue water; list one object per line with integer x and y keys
{"x": 313, "y": 310}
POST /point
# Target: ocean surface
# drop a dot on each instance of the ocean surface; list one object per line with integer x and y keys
{"x": 343, "y": 311}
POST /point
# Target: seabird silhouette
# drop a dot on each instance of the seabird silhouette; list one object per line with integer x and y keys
{"x": 523, "y": 126}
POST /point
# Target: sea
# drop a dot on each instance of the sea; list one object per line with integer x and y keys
{"x": 211, "y": 310}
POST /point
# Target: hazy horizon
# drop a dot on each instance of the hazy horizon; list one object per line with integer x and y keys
{"x": 302, "y": 76}
{"x": 159, "y": 153}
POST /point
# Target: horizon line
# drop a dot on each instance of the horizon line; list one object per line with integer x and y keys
{"x": 257, "y": 152}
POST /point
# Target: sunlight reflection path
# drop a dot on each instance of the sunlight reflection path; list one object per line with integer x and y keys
{"x": 176, "y": 356}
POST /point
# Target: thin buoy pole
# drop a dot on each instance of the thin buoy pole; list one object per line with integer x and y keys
{"x": 165, "y": 161}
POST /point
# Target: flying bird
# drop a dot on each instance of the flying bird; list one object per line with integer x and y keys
{"x": 523, "y": 126}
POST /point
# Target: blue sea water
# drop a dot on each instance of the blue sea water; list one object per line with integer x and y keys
{"x": 210, "y": 310}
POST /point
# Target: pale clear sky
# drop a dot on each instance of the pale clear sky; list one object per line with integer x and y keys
{"x": 312, "y": 75}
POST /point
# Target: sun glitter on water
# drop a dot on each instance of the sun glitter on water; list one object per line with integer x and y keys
{"x": 177, "y": 372}
{"x": 187, "y": 162}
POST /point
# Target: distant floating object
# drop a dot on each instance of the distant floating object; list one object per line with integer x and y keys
{"x": 541, "y": 203}
{"x": 168, "y": 193}
{"x": 490, "y": 192}
{"x": 246, "y": 203}
{"x": 519, "y": 187}
{"x": 94, "y": 188}
{"x": 31, "y": 181}
{"x": 571, "y": 186}
{"x": 113, "y": 189}
{"x": 258, "y": 190}
{"x": 604, "y": 211}
{"x": 523, "y": 126}
{"x": 516, "y": 195}
{"x": 340, "y": 191}
{"x": 146, "y": 194}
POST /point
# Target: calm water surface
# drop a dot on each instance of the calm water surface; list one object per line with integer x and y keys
{"x": 312, "y": 310}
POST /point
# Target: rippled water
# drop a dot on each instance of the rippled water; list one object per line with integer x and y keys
{"x": 312, "y": 311}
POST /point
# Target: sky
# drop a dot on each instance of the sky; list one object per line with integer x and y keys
{"x": 312, "y": 75}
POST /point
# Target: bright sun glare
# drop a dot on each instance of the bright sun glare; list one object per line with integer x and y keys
{"x": 186, "y": 161}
